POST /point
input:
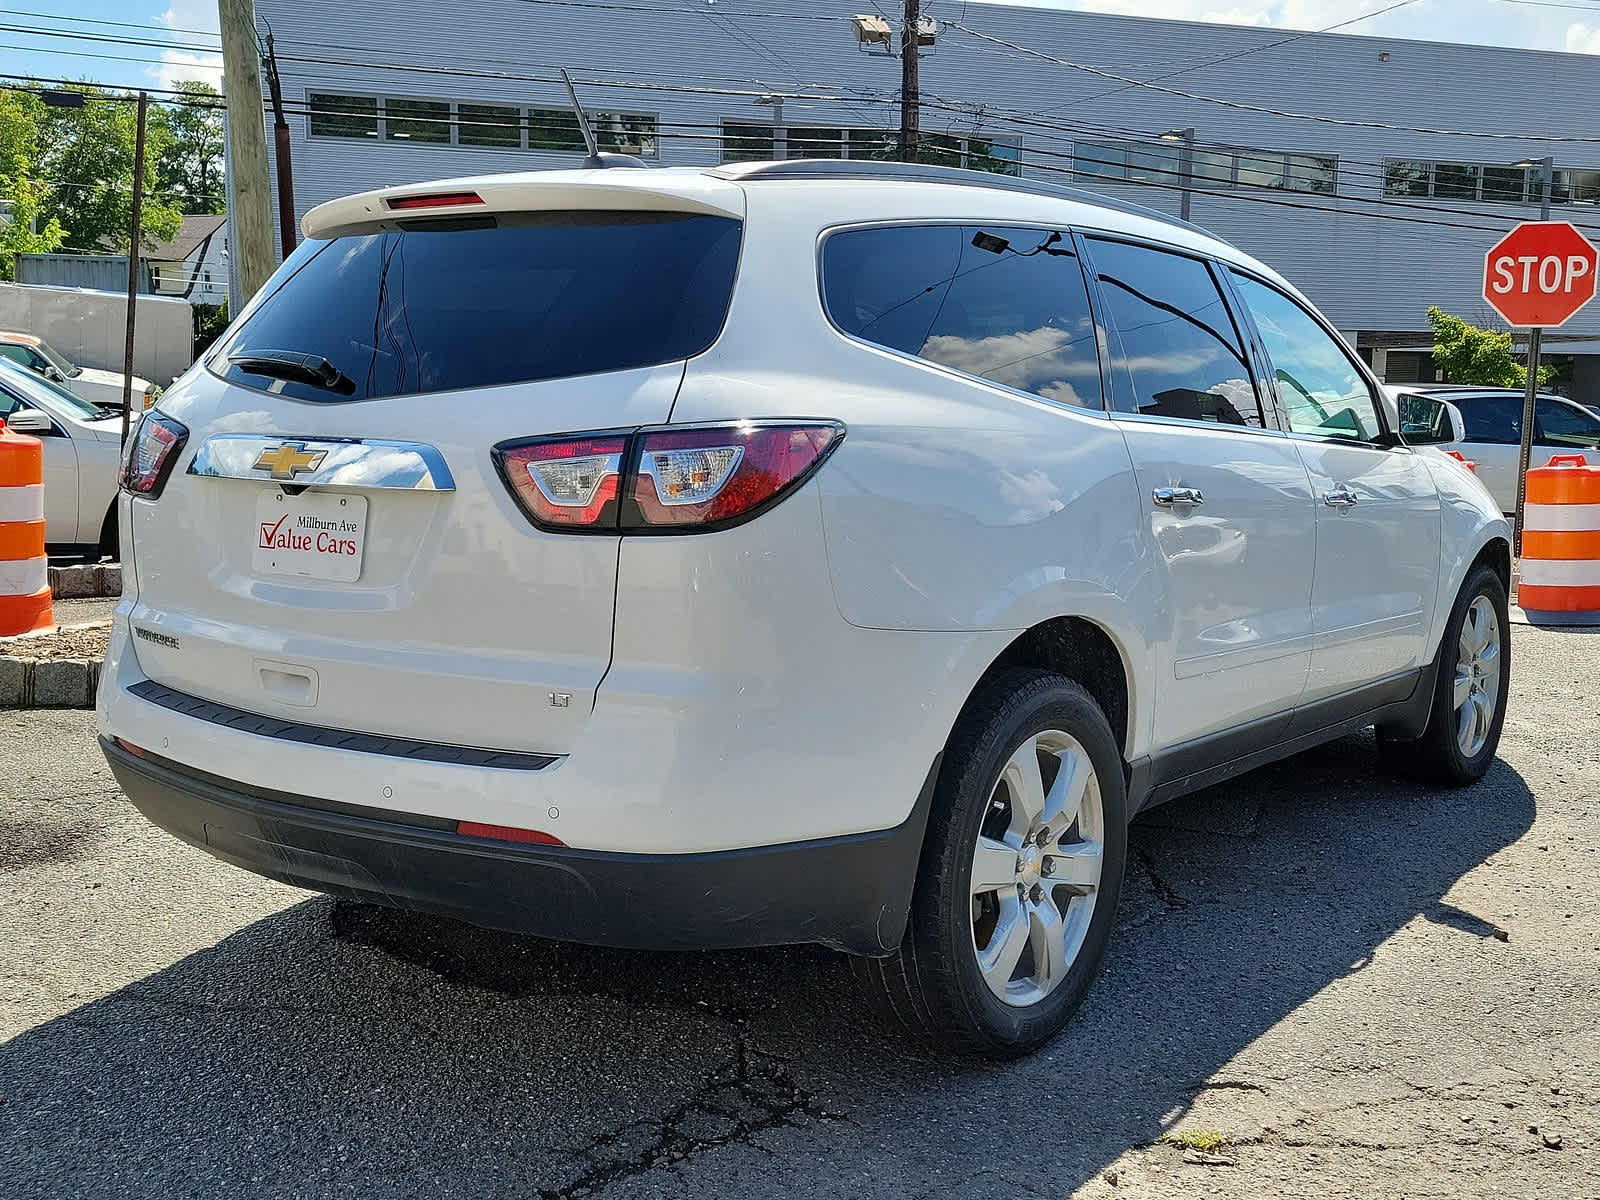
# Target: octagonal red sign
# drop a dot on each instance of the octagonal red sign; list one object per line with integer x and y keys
{"x": 1540, "y": 273}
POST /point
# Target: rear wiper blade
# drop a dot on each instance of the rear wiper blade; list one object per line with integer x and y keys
{"x": 296, "y": 367}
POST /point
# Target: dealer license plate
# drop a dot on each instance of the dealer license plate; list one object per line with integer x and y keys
{"x": 315, "y": 535}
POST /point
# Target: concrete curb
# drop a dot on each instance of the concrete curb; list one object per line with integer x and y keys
{"x": 48, "y": 683}
{"x": 86, "y": 581}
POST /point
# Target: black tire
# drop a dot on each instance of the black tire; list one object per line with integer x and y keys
{"x": 1437, "y": 756}
{"x": 931, "y": 987}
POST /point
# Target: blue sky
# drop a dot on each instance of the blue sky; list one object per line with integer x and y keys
{"x": 1572, "y": 25}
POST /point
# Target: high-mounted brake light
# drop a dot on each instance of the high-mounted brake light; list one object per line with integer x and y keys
{"x": 152, "y": 453}
{"x": 435, "y": 200}
{"x": 689, "y": 479}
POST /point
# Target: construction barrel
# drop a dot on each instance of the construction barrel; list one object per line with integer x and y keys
{"x": 1561, "y": 543}
{"x": 24, "y": 570}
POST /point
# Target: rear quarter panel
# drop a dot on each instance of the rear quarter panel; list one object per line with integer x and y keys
{"x": 952, "y": 505}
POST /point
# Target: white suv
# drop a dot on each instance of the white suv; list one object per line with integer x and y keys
{"x": 796, "y": 552}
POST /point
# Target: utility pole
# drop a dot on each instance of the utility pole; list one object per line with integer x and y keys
{"x": 280, "y": 142}
{"x": 1530, "y": 396}
{"x": 910, "y": 36}
{"x": 135, "y": 238}
{"x": 251, "y": 214}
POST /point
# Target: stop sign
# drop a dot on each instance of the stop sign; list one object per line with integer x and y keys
{"x": 1539, "y": 274}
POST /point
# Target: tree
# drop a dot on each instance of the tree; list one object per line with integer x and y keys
{"x": 22, "y": 195}
{"x": 86, "y": 155}
{"x": 190, "y": 169}
{"x": 1467, "y": 354}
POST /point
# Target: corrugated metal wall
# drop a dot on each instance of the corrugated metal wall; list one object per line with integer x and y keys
{"x": 105, "y": 272}
{"x": 1368, "y": 273}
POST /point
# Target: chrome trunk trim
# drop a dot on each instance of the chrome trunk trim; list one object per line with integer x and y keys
{"x": 334, "y": 462}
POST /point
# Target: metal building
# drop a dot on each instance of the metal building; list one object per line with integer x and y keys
{"x": 1374, "y": 172}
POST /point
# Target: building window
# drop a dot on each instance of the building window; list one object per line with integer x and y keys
{"x": 745, "y": 141}
{"x": 1493, "y": 183}
{"x": 501, "y": 126}
{"x": 332, "y": 115}
{"x": 489, "y": 125}
{"x": 417, "y": 121}
{"x": 1211, "y": 168}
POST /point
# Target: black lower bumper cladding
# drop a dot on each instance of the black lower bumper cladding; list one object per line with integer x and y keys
{"x": 851, "y": 893}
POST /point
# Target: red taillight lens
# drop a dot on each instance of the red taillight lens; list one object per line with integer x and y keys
{"x": 152, "y": 453}
{"x": 718, "y": 474}
{"x": 435, "y": 200}
{"x": 566, "y": 483}
{"x": 690, "y": 479}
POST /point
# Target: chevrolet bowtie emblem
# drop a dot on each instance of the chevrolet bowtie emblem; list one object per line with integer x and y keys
{"x": 288, "y": 460}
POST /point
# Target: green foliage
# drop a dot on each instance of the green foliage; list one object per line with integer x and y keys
{"x": 190, "y": 168}
{"x": 209, "y": 322}
{"x": 1467, "y": 354}
{"x": 23, "y": 230}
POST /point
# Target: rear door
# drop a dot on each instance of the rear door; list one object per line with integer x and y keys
{"x": 336, "y": 546}
{"x": 1225, "y": 496}
{"x": 1377, "y": 525}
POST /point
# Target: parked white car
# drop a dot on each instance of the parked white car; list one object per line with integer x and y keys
{"x": 1492, "y": 419}
{"x": 91, "y": 383}
{"x": 775, "y": 553}
{"x": 82, "y": 455}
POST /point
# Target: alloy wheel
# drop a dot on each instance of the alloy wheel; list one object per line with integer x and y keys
{"x": 1477, "y": 681}
{"x": 1036, "y": 868}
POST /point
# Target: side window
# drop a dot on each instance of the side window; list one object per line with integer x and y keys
{"x": 1568, "y": 425}
{"x": 1005, "y": 304}
{"x": 1491, "y": 420}
{"x": 1174, "y": 349}
{"x": 18, "y": 354}
{"x": 1321, "y": 391}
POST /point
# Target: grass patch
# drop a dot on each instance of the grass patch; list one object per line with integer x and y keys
{"x": 1205, "y": 1140}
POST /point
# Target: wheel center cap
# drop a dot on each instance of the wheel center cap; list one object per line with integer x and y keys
{"x": 1028, "y": 872}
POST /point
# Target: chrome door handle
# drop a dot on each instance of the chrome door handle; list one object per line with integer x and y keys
{"x": 1166, "y": 497}
{"x": 1339, "y": 497}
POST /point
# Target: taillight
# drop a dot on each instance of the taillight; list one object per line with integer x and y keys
{"x": 567, "y": 483}
{"x": 152, "y": 453}
{"x": 721, "y": 474}
{"x": 689, "y": 479}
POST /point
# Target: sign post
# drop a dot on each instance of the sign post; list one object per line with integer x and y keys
{"x": 1537, "y": 277}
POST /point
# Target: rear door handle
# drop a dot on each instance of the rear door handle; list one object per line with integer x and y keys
{"x": 1166, "y": 497}
{"x": 1339, "y": 497}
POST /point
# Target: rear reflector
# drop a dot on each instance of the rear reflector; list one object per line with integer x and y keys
{"x": 507, "y": 833}
{"x": 435, "y": 200}
{"x": 136, "y": 751}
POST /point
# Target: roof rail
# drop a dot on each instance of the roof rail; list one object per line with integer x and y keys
{"x": 840, "y": 168}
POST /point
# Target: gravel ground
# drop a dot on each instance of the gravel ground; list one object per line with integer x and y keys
{"x": 59, "y": 643}
{"x": 1325, "y": 984}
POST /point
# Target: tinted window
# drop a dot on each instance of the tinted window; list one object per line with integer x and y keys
{"x": 1568, "y": 425}
{"x": 1005, "y": 304}
{"x": 531, "y": 297}
{"x": 1491, "y": 420}
{"x": 1321, "y": 390}
{"x": 1174, "y": 349}
{"x": 19, "y": 354}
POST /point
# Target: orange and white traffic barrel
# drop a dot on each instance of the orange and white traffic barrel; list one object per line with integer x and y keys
{"x": 1561, "y": 543}
{"x": 24, "y": 570}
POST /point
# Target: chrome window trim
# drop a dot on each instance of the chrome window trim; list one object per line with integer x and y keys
{"x": 347, "y": 462}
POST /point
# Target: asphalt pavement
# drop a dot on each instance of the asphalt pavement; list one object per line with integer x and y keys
{"x": 1325, "y": 983}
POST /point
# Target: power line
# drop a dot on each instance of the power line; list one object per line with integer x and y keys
{"x": 1211, "y": 62}
{"x": 22, "y": 12}
{"x": 109, "y": 38}
{"x": 1258, "y": 108}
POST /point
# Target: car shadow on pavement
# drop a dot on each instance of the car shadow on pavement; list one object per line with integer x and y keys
{"x": 342, "y": 1050}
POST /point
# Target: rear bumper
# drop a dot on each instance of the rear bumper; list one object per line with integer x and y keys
{"x": 851, "y": 893}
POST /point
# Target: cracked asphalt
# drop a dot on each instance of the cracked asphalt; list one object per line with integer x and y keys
{"x": 1325, "y": 983}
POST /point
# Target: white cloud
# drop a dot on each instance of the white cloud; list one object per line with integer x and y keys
{"x": 1583, "y": 39}
{"x": 191, "y": 21}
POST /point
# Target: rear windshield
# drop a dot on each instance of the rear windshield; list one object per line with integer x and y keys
{"x": 486, "y": 301}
